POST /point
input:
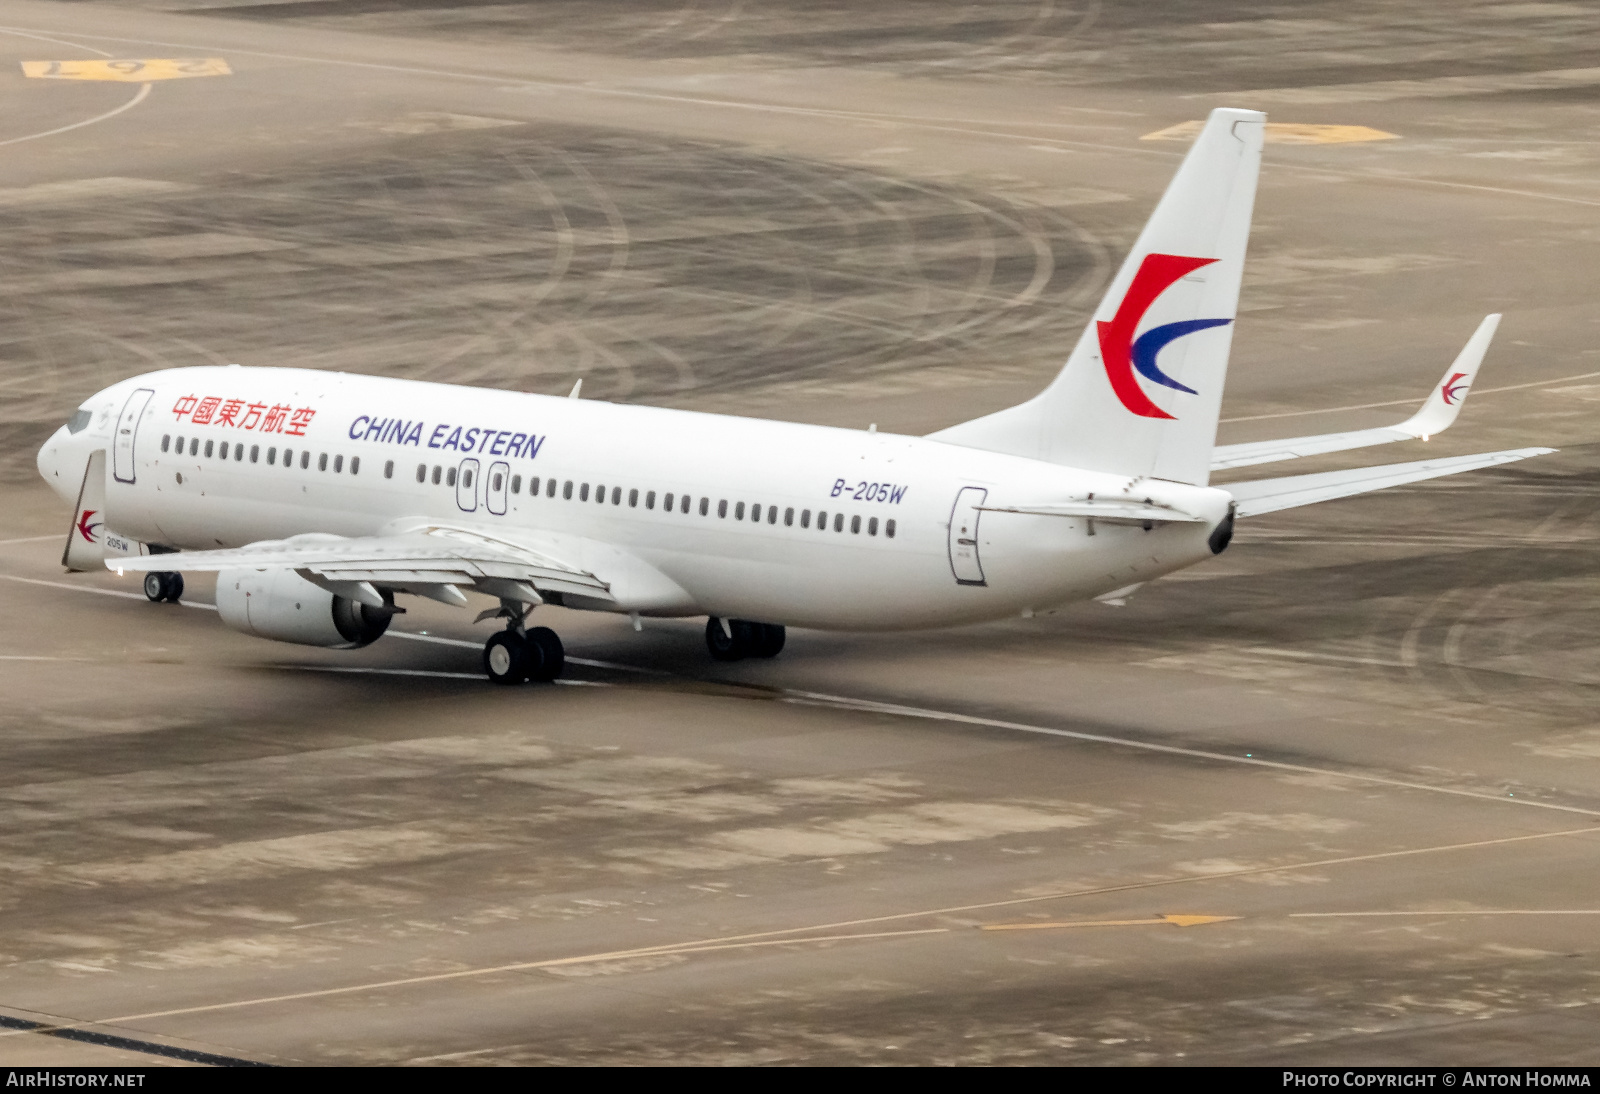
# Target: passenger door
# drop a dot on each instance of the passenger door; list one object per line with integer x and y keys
{"x": 494, "y": 491}
{"x": 122, "y": 467}
{"x": 467, "y": 485}
{"x": 964, "y": 561}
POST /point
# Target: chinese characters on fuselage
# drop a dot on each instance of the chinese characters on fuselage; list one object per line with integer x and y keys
{"x": 240, "y": 414}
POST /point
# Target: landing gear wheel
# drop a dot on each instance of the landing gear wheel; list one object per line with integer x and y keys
{"x": 734, "y": 644}
{"x": 505, "y": 658}
{"x": 769, "y": 639}
{"x": 162, "y": 585}
{"x": 546, "y": 657}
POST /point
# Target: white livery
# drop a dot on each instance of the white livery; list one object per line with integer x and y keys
{"x": 319, "y": 497}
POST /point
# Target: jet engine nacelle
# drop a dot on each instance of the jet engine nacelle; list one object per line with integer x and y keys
{"x": 282, "y": 605}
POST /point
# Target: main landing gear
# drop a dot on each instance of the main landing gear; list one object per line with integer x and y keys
{"x": 162, "y": 585}
{"x": 517, "y": 655}
{"x": 736, "y": 639}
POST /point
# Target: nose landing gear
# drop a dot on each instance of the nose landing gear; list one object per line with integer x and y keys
{"x": 736, "y": 639}
{"x": 162, "y": 585}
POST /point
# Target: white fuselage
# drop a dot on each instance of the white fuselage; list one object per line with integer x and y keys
{"x": 367, "y": 455}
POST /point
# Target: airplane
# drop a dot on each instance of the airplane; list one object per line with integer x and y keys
{"x": 318, "y": 497}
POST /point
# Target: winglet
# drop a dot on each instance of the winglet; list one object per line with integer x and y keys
{"x": 576, "y": 388}
{"x": 1444, "y": 403}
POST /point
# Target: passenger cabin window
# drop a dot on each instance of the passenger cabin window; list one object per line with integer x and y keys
{"x": 704, "y": 503}
{"x": 209, "y": 446}
{"x": 194, "y": 446}
{"x": 616, "y": 495}
{"x": 550, "y": 488}
{"x": 255, "y": 453}
{"x": 494, "y": 484}
{"x": 666, "y": 503}
{"x": 450, "y": 477}
{"x": 855, "y": 526}
{"x": 888, "y": 528}
{"x": 305, "y": 459}
{"x": 822, "y": 520}
{"x": 355, "y": 465}
{"x": 722, "y": 508}
{"x": 838, "y": 522}
{"x": 322, "y": 462}
{"x": 772, "y": 514}
{"x": 466, "y": 479}
{"x": 805, "y": 518}
{"x": 566, "y": 491}
{"x": 166, "y": 442}
{"x": 438, "y": 473}
{"x": 516, "y": 484}
{"x": 686, "y": 505}
{"x": 272, "y": 457}
{"x": 788, "y": 518}
{"x": 338, "y": 464}
{"x": 388, "y": 469}
{"x": 872, "y": 526}
{"x": 633, "y": 499}
{"x": 738, "y": 511}
{"x": 238, "y": 452}
{"x": 583, "y": 492}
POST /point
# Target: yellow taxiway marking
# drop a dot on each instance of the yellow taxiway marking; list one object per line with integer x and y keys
{"x": 127, "y": 71}
{"x": 1284, "y": 133}
{"x": 1160, "y": 920}
{"x": 667, "y": 950}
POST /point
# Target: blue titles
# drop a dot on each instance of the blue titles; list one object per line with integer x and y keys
{"x": 502, "y": 442}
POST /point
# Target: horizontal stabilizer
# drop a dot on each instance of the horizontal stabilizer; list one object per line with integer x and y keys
{"x": 1110, "y": 510}
{"x": 1438, "y": 413}
{"x": 1271, "y": 495}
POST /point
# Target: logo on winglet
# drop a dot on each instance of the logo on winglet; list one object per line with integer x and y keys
{"x": 1124, "y": 355}
{"x": 1452, "y": 391}
{"x": 87, "y": 530}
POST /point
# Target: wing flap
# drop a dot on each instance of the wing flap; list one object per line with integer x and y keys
{"x": 1289, "y": 492}
{"x": 432, "y": 556}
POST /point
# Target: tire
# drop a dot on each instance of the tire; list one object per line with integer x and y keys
{"x": 505, "y": 658}
{"x": 724, "y": 646}
{"x": 174, "y": 587}
{"x": 155, "y": 586}
{"x": 547, "y": 659}
{"x": 769, "y": 639}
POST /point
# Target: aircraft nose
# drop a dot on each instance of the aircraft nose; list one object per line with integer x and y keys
{"x": 54, "y": 462}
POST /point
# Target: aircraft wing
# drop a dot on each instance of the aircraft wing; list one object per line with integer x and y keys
{"x": 1271, "y": 495}
{"x": 429, "y": 561}
{"x": 1437, "y": 415}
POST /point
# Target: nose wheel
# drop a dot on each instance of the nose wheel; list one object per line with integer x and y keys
{"x": 513, "y": 656}
{"x": 162, "y": 585}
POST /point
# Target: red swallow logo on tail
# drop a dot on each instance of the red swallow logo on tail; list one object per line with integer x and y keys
{"x": 1124, "y": 355}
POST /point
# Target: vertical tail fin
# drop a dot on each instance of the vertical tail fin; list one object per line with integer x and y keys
{"x": 1141, "y": 392}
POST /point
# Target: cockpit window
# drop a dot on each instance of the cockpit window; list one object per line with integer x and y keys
{"x": 78, "y": 422}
